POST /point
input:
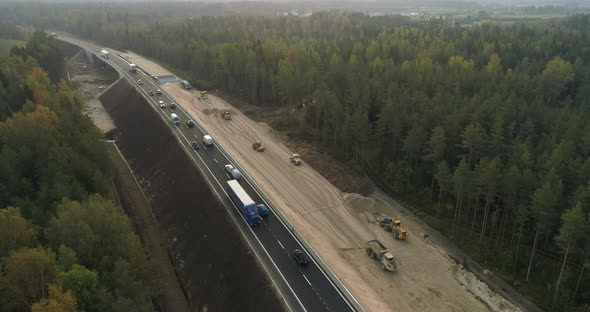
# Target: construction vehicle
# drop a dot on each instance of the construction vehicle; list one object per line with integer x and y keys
{"x": 295, "y": 159}
{"x": 395, "y": 226}
{"x": 258, "y": 146}
{"x": 378, "y": 252}
{"x": 204, "y": 95}
{"x": 226, "y": 115}
{"x": 185, "y": 84}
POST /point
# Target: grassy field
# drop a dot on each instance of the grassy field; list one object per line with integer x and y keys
{"x": 134, "y": 201}
{"x": 6, "y": 44}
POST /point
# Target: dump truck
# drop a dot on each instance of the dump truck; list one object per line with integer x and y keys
{"x": 395, "y": 226}
{"x": 258, "y": 146}
{"x": 226, "y": 115}
{"x": 185, "y": 84}
{"x": 378, "y": 252}
{"x": 244, "y": 203}
{"x": 132, "y": 68}
{"x": 295, "y": 159}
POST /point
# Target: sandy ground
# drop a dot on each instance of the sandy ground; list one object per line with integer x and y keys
{"x": 145, "y": 65}
{"x": 218, "y": 277}
{"x": 337, "y": 225}
{"x": 89, "y": 81}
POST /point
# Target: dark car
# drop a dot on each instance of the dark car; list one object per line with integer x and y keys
{"x": 190, "y": 123}
{"x": 300, "y": 257}
{"x": 173, "y": 105}
{"x": 263, "y": 210}
{"x": 151, "y": 93}
{"x": 195, "y": 145}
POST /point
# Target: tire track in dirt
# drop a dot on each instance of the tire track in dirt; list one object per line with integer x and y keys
{"x": 338, "y": 233}
{"x": 213, "y": 261}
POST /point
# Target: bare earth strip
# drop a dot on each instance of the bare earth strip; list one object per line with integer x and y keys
{"x": 144, "y": 64}
{"x": 427, "y": 280}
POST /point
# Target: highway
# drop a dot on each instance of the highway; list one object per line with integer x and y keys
{"x": 305, "y": 288}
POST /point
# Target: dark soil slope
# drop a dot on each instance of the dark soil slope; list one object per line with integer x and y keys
{"x": 68, "y": 49}
{"x": 214, "y": 262}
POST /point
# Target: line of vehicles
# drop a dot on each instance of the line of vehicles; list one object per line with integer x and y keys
{"x": 253, "y": 213}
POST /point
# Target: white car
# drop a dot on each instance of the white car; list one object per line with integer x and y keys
{"x": 162, "y": 104}
{"x": 232, "y": 172}
{"x": 158, "y": 91}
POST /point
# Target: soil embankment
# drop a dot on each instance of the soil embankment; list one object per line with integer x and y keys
{"x": 68, "y": 49}
{"x": 215, "y": 266}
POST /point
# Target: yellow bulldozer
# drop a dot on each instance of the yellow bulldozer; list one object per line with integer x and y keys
{"x": 395, "y": 226}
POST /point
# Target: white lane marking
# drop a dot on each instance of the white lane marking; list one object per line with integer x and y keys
{"x": 123, "y": 74}
{"x": 280, "y": 244}
{"x": 215, "y": 160}
{"x": 305, "y": 277}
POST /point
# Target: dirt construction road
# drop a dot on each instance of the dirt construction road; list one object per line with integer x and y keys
{"x": 337, "y": 225}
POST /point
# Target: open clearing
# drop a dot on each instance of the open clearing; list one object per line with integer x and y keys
{"x": 337, "y": 225}
{"x": 90, "y": 80}
{"x": 7, "y": 44}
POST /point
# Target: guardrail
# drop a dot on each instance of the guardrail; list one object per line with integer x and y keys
{"x": 324, "y": 268}
{"x": 344, "y": 291}
{"x": 330, "y": 275}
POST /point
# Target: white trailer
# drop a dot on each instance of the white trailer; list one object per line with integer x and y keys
{"x": 104, "y": 53}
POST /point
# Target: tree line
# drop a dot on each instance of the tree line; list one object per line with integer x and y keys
{"x": 63, "y": 245}
{"x": 486, "y": 127}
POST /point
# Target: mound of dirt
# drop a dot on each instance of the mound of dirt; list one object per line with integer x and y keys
{"x": 214, "y": 263}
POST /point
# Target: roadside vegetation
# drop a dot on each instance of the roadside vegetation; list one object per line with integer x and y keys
{"x": 7, "y": 44}
{"x": 485, "y": 129}
{"x": 63, "y": 245}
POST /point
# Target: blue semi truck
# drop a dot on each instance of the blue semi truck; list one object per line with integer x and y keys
{"x": 244, "y": 202}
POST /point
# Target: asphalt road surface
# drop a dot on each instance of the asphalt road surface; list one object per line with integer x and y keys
{"x": 305, "y": 288}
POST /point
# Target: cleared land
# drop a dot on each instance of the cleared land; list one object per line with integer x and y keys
{"x": 214, "y": 263}
{"x": 89, "y": 81}
{"x": 144, "y": 64}
{"x": 7, "y": 44}
{"x": 337, "y": 225}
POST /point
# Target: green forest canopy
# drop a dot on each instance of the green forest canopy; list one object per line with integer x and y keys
{"x": 63, "y": 247}
{"x": 486, "y": 127}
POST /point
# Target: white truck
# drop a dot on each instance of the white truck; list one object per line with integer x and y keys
{"x": 207, "y": 140}
{"x": 132, "y": 67}
{"x": 185, "y": 84}
{"x": 104, "y": 53}
{"x": 175, "y": 119}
